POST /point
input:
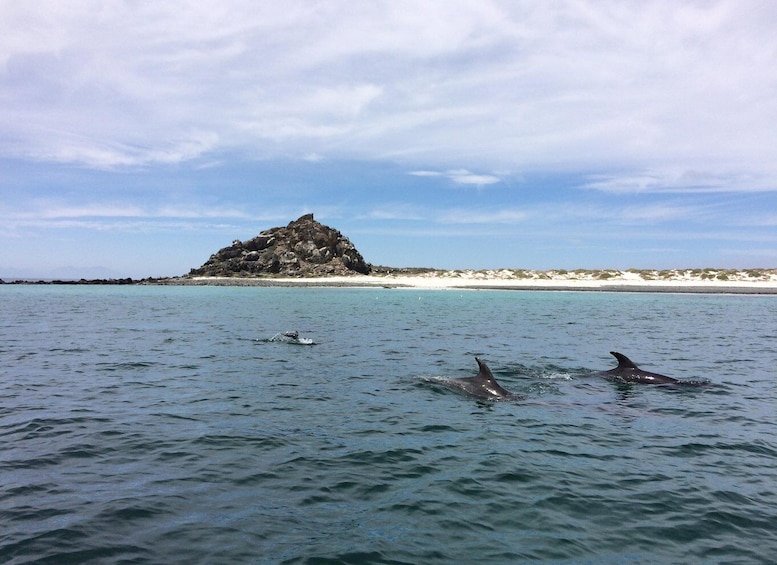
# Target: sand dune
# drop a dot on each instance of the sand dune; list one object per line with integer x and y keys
{"x": 690, "y": 280}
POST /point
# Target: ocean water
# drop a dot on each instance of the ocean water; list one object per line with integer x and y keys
{"x": 149, "y": 424}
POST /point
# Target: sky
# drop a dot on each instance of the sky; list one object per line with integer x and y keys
{"x": 137, "y": 138}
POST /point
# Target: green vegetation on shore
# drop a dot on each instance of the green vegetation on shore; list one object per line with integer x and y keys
{"x": 635, "y": 275}
{"x": 680, "y": 275}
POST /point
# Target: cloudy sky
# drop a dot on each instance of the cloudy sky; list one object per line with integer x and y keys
{"x": 137, "y": 138}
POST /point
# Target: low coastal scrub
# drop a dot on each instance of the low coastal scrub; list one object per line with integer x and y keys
{"x": 633, "y": 275}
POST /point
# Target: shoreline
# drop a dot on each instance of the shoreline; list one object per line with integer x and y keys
{"x": 708, "y": 281}
{"x": 442, "y": 282}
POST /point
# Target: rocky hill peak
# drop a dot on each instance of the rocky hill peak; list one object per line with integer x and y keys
{"x": 303, "y": 248}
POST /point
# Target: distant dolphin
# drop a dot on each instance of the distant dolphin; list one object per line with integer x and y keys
{"x": 483, "y": 386}
{"x": 291, "y": 337}
{"x": 628, "y": 372}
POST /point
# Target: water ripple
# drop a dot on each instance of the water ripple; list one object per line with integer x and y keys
{"x": 148, "y": 425}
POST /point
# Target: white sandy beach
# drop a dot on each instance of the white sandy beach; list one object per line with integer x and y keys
{"x": 706, "y": 281}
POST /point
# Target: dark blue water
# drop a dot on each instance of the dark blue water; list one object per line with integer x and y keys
{"x": 159, "y": 425}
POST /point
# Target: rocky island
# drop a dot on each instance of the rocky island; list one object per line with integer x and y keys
{"x": 303, "y": 248}
{"x": 308, "y": 253}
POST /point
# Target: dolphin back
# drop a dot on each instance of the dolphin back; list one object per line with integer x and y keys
{"x": 628, "y": 371}
{"x": 484, "y": 373}
{"x": 623, "y": 361}
{"x": 486, "y": 382}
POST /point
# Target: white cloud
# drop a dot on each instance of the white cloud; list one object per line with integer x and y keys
{"x": 49, "y": 212}
{"x": 396, "y": 211}
{"x": 674, "y": 180}
{"x": 504, "y": 216}
{"x": 460, "y": 176}
{"x": 463, "y": 176}
{"x": 517, "y": 85}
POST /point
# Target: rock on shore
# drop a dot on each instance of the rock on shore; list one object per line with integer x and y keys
{"x": 304, "y": 248}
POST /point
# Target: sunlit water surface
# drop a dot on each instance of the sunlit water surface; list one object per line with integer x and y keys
{"x": 166, "y": 425}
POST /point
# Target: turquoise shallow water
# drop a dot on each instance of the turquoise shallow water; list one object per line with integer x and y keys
{"x": 160, "y": 425}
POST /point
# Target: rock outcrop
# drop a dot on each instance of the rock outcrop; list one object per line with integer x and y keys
{"x": 304, "y": 248}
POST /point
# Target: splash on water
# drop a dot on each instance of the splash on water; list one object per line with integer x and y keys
{"x": 292, "y": 338}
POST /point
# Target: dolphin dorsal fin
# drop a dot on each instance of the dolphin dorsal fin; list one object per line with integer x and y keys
{"x": 623, "y": 361}
{"x": 487, "y": 384}
{"x": 484, "y": 373}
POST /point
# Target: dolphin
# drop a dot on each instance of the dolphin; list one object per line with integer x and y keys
{"x": 291, "y": 337}
{"x": 628, "y": 372}
{"x": 483, "y": 386}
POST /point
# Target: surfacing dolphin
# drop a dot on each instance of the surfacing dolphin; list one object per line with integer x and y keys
{"x": 628, "y": 372}
{"x": 292, "y": 338}
{"x": 482, "y": 386}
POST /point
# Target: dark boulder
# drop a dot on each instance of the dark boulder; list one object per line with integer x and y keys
{"x": 303, "y": 248}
